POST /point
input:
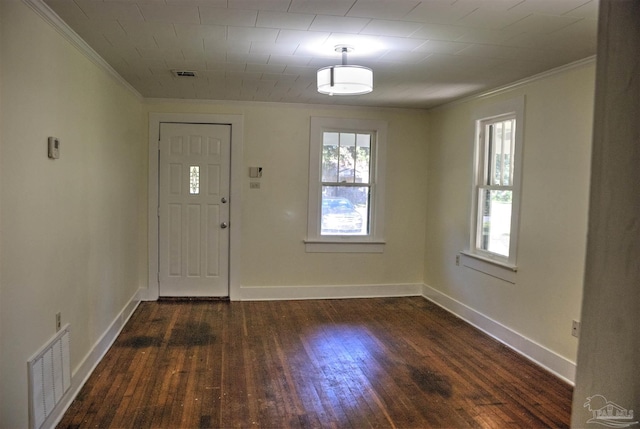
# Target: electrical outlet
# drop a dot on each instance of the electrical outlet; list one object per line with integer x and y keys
{"x": 58, "y": 321}
{"x": 575, "y": 329}
{"x": 458, "y": 260}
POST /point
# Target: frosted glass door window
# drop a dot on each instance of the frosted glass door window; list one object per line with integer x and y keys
{"x": 194, "y": 180}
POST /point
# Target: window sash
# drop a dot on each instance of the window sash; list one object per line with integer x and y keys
{"x": 499, "y": 151}
{"x": 345, "y": 210}
{"x": 366, "y": 175}
{"x": 492, "y": 236}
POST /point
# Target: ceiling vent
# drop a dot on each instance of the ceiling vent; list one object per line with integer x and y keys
{"x": 184, "y": 73}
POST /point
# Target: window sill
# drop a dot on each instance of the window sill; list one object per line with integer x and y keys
{"x": 498, "y": 269}
{"x": 336, "y": 246}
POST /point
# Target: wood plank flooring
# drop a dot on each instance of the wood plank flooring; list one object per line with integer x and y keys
{"x": 357, "y": 363}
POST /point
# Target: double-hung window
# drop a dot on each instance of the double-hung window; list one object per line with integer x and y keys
{"x": 346, "y": 185}
{"x": 496, "y": 193}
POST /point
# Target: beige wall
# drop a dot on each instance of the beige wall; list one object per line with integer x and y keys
{"x": 553, "y": 216}
{"x": 70, "y": 240}
{"x": 274, "y": 218}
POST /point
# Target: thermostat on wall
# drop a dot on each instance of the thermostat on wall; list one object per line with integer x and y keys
{"x": 54, "y": 148}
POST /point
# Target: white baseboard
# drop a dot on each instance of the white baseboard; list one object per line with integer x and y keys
{"x": 540, "y": 355}
{"x": 82, "y": 372}
{"x": 274, "y": 293}
{"x": 147, "y": 294}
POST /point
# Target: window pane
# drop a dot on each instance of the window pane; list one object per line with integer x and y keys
{"x": 507, "y": 142}
{"x": 194, "y": 180}
{"x": 495, "y": 221}
{"x": 345, "y": 210}
{"x": 330, "y": 146}
{"x": 346, "y": 162}
{"x": 500, "y": 144}
{"x": 363, "y": 153}
{"x": 498, "y": 158}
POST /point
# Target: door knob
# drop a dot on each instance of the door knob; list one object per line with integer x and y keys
{"x": 223, "y": 200}
{"x": 223, "y": 225}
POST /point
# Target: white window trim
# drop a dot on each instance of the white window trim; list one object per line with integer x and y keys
{"x": 487, "y": 262}
{"x": 374, "y": 242}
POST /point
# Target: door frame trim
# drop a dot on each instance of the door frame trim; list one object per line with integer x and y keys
{"x": 237, "y": 138}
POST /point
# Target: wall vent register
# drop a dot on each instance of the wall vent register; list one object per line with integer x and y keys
{"x": 49, "y": 377}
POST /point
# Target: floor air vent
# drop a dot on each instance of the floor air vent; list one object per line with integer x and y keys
{"x": 49, "y": 377}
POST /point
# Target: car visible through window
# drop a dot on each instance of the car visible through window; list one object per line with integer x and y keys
{"x": 339, "y": 216}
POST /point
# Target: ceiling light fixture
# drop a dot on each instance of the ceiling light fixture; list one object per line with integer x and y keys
{"x": 344, "y": 79}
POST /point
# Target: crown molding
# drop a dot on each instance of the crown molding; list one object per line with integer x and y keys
{"x": 72, "y": 37}
{"x": 519, "y": 83}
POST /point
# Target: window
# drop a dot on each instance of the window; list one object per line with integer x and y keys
{"x": 496, "y": 192}
{"x": 346, "y": 185}
{"x": 495, "y": 186}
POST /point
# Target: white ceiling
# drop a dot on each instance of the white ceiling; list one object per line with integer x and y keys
{"x": 423, "y": 53}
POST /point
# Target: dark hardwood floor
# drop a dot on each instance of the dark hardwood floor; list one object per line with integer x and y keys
{"x": 357, "y": 363}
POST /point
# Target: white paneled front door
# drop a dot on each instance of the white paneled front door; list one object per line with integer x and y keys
{"x": 194, "y": 210}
